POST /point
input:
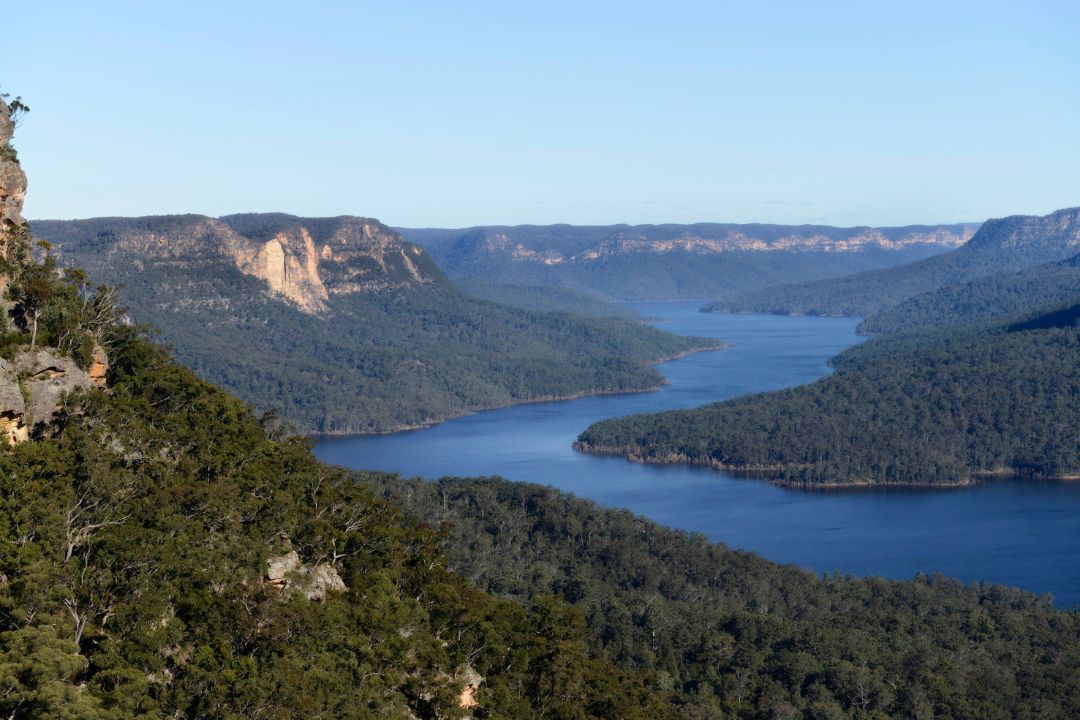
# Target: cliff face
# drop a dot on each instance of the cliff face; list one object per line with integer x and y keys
{"x": 666, "y": 262}
{"x": 1058, "y": 233}
{"x": 12, "y": 177}
{"x": 12, "y": 192}
{"x": 303, "y": 261}
{"x": 708, "y": 240}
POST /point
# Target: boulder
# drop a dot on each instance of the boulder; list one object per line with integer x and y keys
{"x": 47, "y": 378}
{"x": 13, "y": 426}
{"x": 472, "y": 681}
{"x": 287, "y": 572}
{"x": 99, "y": 367}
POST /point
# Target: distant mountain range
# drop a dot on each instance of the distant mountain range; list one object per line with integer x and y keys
{"x": 665, "y": 262}
{"x": 343, "y": 326}
{"x": 1005, "y": 245}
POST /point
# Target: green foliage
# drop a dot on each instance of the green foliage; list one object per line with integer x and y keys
{"x": 989, "y": 297}
{"x": 539, "y": 298}
{"x": 735, "y": 636}
{"x": 381, "y": 360}
{"x": 133, "y": 553}
{"x": 936, "y": 408}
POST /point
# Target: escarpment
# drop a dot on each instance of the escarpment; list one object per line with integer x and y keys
{"x": 303, "y": 261}
{"x": 48, "y": 315}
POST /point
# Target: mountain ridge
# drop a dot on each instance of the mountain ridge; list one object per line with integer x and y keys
{"x": 1000, "y": 245}
{"x": 669, "y": 261}
{"x": 344, "y": 327}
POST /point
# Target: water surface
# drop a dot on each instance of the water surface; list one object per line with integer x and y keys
{"x": 1025, "y": 534}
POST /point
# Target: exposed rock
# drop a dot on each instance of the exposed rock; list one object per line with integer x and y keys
{"x": 47, "y": 378}
{"x": 13, "y": 426}
{"x": 472, "y": 681}
{"x": 323, "y": 578}
{"x": 290, "y": 266}
{"x": 12, "y": 180}
{"x": 304, "y": 261}
{"x": 279, "y": 567}
{"x": 287, "y": 572}
{"x": 99, "y": 367}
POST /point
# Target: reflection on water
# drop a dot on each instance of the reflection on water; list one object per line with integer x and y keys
{"x": 1020, "y": 533}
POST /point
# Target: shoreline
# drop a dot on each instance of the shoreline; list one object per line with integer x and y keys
{"x": 530, "y": 401}
{"x": 762, "y": 473}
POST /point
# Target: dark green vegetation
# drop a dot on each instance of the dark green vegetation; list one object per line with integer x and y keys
{"x": 1000, "y": 246}
{"x": 134, "y": 580}
{"x": 538, "y": 298}
{"x": 936, "y": 408}
{"x": 396, "y": 345}
{"x": 734, "y": 636}
{"x": 665, "y": 262}
{"x": 989, "y": 297}
{"x": 166, "y": 554}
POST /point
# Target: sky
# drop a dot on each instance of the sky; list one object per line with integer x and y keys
{"x": 451, "y": 114}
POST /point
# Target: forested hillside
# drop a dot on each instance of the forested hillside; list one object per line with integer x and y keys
{"x": 1000, "y": 246}
{"x": 539, "y": 298}
{"x": 666, "y": 262}
{"x": 166, "y": 554}
{"x": 937, "y": 408}
{"x": 734, "y": 636}
{"x": 341, "y": 326}
{"x": 992, "y": 296}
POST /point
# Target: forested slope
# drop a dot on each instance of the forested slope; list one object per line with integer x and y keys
{"x": 992, "y": 296}
{"x": 735, "y": 636}
{"x": 165, "y": 554}
{"x": 937, "y": 408}
{"x": 1000, "y": 246}
{"x": 358, "y": 332}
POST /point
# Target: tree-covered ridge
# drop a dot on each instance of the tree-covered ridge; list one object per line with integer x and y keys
{"x": 938, "y": 408}
{"x": 735, "y": 636}
{"x": 1000, "y": 246}
{"x": 992, "y": 296}
{"x": 392, "y": 355}
{"x": 539, "y": 298}
{"x": 135, "y": 580}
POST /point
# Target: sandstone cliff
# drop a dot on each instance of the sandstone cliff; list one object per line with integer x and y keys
{"x": 304, "y": 261}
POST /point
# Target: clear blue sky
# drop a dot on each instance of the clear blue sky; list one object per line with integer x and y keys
{"x": 456, "y": 113}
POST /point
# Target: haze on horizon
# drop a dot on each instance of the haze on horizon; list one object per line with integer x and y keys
{"x": 457, "y": 114}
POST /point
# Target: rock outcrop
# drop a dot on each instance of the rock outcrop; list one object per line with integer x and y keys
{"x": 47, "y": 378}
{"x": 288, "y": 572}
{"x": 304, "y": 261}
{"x": 12, "y": 177}
{"x": 99, "y": 368}
{"x": 13, "y": 426}
{"x": 472, "y": 681}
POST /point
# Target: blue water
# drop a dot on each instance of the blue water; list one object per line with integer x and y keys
{"x": 1025, "y": 534}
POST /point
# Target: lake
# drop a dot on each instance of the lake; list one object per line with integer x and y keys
{"x": 1020, "y": 533}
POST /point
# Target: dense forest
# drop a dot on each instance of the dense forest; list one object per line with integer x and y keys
{"x": 933, "y": 408}
{"x": 165, "y": 553}
{"x": 393, "y": 357}
{"x": 989, "y": 297}
{"x": 139, "y": 548}
{"x": 733, "y": 636}
{"x": 539, "y": 298}
{"x": 666, "y": 262}
{"x": 1000, "y": 246}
